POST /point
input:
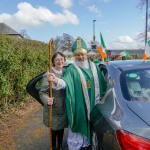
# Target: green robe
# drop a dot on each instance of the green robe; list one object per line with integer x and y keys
{"x": 75, "y": 103}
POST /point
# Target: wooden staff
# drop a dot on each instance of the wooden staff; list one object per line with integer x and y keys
{"x": 50, "y": 89}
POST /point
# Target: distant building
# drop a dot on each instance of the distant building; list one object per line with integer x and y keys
{"x": 131, "y": 51}
{"x": 118, "y": 51}
{"x": 137, "y": 53}
{"x": 5, "y": 29}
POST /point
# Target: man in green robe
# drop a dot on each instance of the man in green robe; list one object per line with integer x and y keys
{"x": 85, "y": 86}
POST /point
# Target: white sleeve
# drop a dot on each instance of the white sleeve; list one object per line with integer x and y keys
{"x": 61, "y": 84}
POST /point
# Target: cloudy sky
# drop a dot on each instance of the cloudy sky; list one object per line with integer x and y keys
{"x": 119, "y": 21}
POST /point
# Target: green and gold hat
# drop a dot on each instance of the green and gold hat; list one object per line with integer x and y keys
{"x": 79, "y": 46}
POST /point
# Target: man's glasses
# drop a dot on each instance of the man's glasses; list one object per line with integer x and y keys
{"x": 58, "y": 60}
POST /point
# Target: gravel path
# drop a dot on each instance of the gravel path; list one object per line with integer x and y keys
{"x": 26, "y": 132}
{"x": 34, "y": 135}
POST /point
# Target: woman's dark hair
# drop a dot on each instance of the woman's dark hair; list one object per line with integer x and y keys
{"x": 55, "y": 55}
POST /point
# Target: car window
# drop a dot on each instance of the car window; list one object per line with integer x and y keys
{"x": 33, "y": 87}
{"x": 137, "y": 85}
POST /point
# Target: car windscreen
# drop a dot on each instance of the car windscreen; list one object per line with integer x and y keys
{"x": 135, "y": 84}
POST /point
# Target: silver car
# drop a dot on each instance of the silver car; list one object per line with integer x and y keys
{"x": 122, "y": 118}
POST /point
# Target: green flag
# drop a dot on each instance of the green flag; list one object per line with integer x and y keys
{"x": 147, "y": 50}
{"x": 104, "y": 55}
{"x": 102, "y": 41}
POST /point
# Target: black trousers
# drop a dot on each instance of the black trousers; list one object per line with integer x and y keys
{"x": 57, "y": 137}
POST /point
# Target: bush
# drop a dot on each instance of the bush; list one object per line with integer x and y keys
{"x": 20, "y": 61}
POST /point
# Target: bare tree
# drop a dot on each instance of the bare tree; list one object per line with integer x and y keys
{"x": 24, "y": 34}
{"x": 63, "y": 43}
{"x": 145, "y": 35}
{"x": 56, "y": 44}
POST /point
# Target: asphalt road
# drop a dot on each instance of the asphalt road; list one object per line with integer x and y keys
{"x": 34, "y": 135}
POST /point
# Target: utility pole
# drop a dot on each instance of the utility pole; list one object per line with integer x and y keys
{"x": 94, "y": 31}
{"x": 93, "y": 43}
{"x": 146, "y": 21}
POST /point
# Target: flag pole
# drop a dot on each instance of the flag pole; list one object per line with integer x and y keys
{"x": 50, "y": 89}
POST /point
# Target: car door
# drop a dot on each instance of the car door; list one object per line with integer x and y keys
{"x": 33, "y": 87}
{"x": 101, "y": 116}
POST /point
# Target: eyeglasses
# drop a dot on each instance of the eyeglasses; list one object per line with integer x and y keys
{"x": 57, "y": 60}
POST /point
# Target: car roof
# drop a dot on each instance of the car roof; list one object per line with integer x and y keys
{"x": 124, "y": 65}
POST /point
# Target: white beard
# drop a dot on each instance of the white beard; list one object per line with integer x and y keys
{"x": 83, "y": 64}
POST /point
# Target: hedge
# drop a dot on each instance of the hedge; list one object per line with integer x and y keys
{"x": 20, "y": 61}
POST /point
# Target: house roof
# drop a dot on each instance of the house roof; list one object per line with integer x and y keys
{"x": 5, "y": 29}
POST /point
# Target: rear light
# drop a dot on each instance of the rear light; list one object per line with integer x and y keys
{"x": 129, "y": 141}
